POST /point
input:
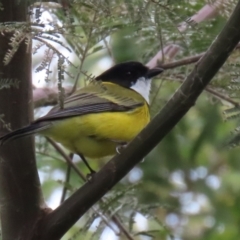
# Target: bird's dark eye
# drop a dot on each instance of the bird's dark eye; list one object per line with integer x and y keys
{"x": 129, "y": 73}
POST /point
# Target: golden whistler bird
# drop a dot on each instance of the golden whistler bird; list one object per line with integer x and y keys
{"x": 99, "y": 118}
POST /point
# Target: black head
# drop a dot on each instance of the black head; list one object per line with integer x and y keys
{"x": 126, "y": 74}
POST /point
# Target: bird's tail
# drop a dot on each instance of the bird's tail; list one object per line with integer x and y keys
{"x": 25, "y": 131}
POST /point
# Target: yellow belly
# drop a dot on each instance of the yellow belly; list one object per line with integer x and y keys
{"x": 98, "y": 135}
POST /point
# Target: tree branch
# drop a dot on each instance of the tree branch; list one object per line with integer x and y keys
{"x": 221, "y": 96}
{"x": 186, "y": 61}
{"x": 66, "y": 158}
{"x": 216, "y": 94}
{"x": 20, "y": 192}
{"x": 47, "y": 96}
{"x": 62, "y": 218}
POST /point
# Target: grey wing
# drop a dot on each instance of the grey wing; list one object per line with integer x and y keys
{"x": 86, "y": 103}
{"x": 76, "y": 105}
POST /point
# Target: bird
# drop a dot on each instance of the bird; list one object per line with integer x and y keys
{"x": 97, "y": 119}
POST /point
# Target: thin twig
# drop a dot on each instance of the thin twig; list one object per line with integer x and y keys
{"x": 210, "y": 90}
{"x": 121, "y": 227}
{"x": 222, "y": 96}
{"x": 182, "y": 62}
{"x": 158, "y": 89}
{"x": 187, "y": 60}
{"x": 48, "y": 155}
{"x": 68, "y": 174}
{"x": 54, "y": 49}
{"x": 108, "y": 49}
{"x": 66, "y": 157}
{"x": 84, "y": 54}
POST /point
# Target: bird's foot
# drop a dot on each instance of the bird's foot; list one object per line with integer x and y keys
{"x": 90, "y": 176}
{"x": 120, "y": 147}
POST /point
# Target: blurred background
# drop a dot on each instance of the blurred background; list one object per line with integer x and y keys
{"x": 188, "y": 187}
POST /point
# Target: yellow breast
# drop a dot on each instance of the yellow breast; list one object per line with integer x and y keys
{"x": 97, "y": 135}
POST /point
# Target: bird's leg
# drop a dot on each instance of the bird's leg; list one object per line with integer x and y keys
{"x": 120, "y": 147}
{"x": 92, "y": 172}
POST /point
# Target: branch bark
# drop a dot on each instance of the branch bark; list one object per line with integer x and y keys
{"x": 20, "y": 192}
{"x": 47, "y": 96}
{"x": 186, "y": 61}
{"x": 61, "y": 219}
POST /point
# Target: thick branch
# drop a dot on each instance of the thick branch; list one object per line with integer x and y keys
{"x": 20, "y": 192}
{"x": 61, "y": 219}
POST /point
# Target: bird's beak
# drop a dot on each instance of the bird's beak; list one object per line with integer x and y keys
{"x": 153, "y": 72}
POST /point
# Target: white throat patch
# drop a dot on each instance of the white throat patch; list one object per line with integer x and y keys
{"x": 143, "y": 87}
